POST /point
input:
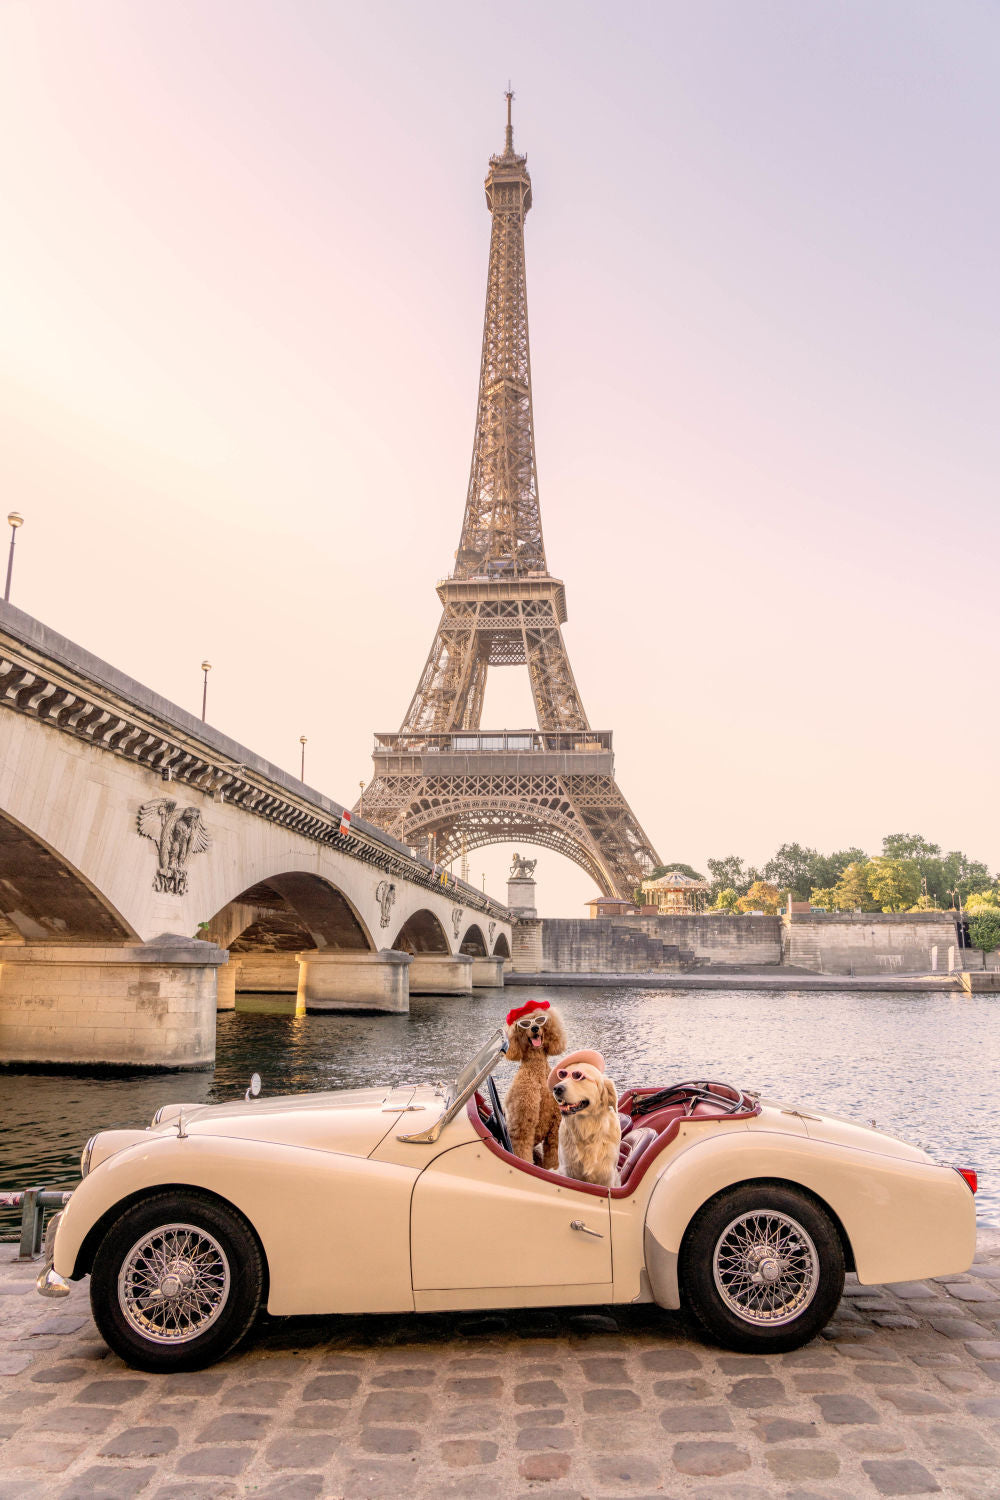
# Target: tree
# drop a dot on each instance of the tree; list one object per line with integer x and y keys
{"x": 984, "y": 933}
{"x": 791, "y": 869}
{"x": 729, "y": 874}
{"x": 894, "y": 883}
{"x": 924, "y": 903}
{"x": 760, "y": 897}
{"x": 828, "y": 868}
{"x": 983, "y": 901}
{"x": 852, "y": 891}
{"x": 726, "y": 900}
{"x": 825, "y": 899}
{"x": 909, "y": 846}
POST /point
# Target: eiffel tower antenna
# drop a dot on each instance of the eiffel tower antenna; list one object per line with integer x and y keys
{"x": 442, "y": 776}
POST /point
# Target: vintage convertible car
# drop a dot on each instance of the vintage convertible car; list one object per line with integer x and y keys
{"x": 386, "y": 1200}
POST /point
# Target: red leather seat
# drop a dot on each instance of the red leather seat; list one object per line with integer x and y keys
{"x": 633, "y": 1146}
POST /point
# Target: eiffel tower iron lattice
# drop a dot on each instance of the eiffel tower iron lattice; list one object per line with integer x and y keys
{"x": 442, "y": 783}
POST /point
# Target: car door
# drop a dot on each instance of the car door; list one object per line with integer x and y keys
{"x": 477, "y": 1223}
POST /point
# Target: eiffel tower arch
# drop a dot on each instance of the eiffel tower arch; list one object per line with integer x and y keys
{"x": 443, "y": 781}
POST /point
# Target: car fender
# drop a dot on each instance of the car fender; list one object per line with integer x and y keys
{"x": 335, "y": 1229}
{"x": 903, "y": 1220}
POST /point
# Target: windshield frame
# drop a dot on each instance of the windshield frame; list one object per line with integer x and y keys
{"x": 479, "y": 1067}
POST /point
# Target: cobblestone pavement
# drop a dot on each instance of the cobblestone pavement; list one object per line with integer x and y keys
{"x": 900, "y": 1396}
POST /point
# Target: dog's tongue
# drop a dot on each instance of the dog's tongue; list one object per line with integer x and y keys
{"x": 536, "y": 1041}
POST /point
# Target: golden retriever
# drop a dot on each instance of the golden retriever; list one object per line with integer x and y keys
{"x": 590, "y": 1131}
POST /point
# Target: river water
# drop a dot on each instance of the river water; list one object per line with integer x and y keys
{"x": 924, "y": 1065}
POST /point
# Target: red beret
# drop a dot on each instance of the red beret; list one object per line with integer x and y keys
{"x": 526, "y": 1009}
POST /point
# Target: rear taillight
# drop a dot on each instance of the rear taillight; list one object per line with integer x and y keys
{"x": 969, "y": 1177}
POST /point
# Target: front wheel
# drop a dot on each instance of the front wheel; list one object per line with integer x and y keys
{"x": 176, "y": 1282}
{"x": 762, "y": 1268}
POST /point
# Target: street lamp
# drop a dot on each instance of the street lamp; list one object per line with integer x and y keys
{"x": 206, "y": 667}
{"x": 302, "y": 768}
{"x": 14, "y": 520}
{"x": 957, "y": 894}
{"x": 361, "y": 800}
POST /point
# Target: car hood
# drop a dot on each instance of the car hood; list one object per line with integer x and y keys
{"x": 349, "y": 1121}
{"x": 820, "y": 1126}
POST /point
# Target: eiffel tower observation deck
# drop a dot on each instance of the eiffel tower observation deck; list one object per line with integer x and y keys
{"x": 442, "y": 783}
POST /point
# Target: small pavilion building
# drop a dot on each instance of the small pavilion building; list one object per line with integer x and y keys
{"x": 676, "y": 895}
{"x": 611, "y": 906}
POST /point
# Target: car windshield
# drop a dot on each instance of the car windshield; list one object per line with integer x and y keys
{"x": 476, "y": 1070}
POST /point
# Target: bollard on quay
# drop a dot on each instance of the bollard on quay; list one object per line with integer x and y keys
{"x": 32, "y": 1202}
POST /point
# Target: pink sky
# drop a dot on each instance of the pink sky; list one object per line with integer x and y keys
{"x": 242, "y": 269}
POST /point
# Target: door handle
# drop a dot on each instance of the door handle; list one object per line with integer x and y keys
{"x": 579, "y": 1224}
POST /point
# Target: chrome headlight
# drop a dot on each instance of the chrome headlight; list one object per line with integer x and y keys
{"x": 88, "y": 1152}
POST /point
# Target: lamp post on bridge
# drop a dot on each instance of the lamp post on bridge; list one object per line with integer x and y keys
{"x": 14, "y": 520}
{"x": 206, "y": 667}
{"x": 302, "y": 768}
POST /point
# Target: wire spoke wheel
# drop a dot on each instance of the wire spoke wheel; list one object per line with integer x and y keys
{"x": 766, "y": 1268}
{"x": 761, "y": 1267}
{"x": 174, "y": 1283}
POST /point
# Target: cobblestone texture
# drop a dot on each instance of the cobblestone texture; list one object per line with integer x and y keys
{"x": 900, "y": 1396}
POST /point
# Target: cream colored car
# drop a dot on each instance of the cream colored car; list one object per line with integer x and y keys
{"x": 402, "y": 1199}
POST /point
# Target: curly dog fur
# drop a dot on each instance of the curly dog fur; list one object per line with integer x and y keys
{"x": 532, "y": 1113}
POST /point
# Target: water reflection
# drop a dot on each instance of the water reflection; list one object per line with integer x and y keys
{"x": 923, "y": 1065}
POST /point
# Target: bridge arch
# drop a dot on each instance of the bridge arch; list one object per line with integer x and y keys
{"x": 421, "y": 933}
{"x": 290, "y": 911}
{"x": 474, "y": 943}
{"x": 45, "y": 898}
{"x": 501, "y": 948}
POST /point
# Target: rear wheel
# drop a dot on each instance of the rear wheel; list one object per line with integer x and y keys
{"x": 176, "y": 1282}
{"x": 762, "y": 1268}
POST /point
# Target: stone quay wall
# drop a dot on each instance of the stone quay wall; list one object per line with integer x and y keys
{"x": 872, "y": 943}
{"x": 645, "y": 945}
{"x": 820, "y": 942}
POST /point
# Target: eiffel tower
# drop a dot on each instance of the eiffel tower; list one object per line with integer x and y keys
{"x": 443, "y": 784}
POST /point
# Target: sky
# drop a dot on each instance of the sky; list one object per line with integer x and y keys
{"x": 242, "y": 268}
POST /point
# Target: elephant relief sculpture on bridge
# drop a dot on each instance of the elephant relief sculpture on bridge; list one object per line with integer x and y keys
{"x": 177, "y": 835}
{"x": 385, "y": 895}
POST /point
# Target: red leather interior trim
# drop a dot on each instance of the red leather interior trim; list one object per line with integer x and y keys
{"x": 665, "y": 1136}
{"x": 529, "y": 1166}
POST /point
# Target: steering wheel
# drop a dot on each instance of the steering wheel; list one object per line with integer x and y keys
{"x": 499, "y": 1119}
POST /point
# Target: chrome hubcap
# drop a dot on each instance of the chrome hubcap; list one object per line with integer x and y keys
{"x": 174, "y": 1283}
{"x": 766, "y": 1268}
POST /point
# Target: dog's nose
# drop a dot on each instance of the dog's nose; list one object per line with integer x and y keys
{"x": 559, "y": 1090}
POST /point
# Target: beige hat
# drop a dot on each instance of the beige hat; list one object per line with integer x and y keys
{"x": 594, "y": 1059}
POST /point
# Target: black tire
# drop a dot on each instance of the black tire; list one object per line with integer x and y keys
{"x": 209, "y": 1300}
{"x": 785, "y": 1239}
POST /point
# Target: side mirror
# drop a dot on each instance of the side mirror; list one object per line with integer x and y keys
{"x": 254, "y": 1088}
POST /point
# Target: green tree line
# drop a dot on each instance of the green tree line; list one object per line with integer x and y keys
{"x": 909, "y": 874}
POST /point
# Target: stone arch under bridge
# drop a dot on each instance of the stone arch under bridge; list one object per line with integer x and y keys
{"x": 267, "y": 927}
{"x": 131, "y": 832}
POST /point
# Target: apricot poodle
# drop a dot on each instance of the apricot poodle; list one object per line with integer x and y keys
{"x": 535, "y": 1033}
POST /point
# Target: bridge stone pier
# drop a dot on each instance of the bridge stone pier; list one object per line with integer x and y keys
{"x": 151, "y": 868}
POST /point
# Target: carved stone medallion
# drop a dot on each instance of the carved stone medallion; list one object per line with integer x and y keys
{"x": 177, "y": 835}
{"x": 493, "y": 928}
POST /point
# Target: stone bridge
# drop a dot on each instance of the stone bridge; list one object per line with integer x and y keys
{"x": 150, "y": 867}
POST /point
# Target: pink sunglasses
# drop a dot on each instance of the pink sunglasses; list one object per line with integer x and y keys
{"x": 574, "y": 1073}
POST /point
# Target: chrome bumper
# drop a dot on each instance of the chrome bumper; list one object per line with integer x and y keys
{"x": 49, "y": 1283}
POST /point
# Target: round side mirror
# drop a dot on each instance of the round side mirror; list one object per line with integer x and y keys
{"x": 254, "y": 1088}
